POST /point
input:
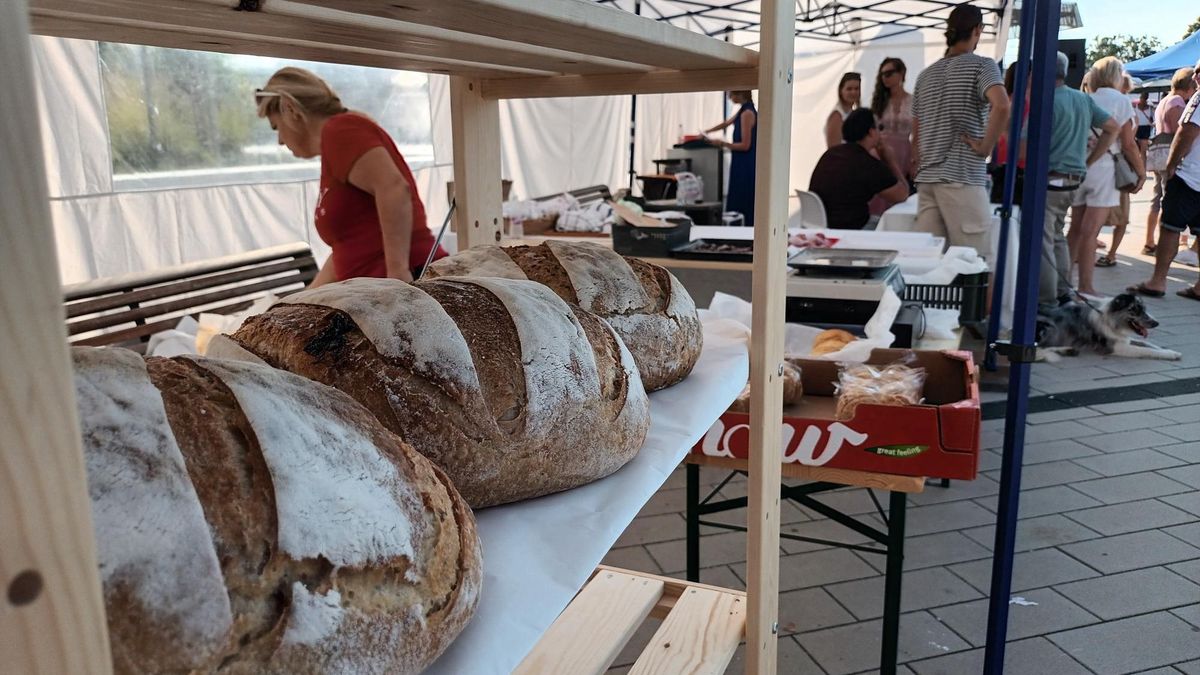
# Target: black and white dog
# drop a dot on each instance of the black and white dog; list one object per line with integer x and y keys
{"x": 1118, "y": 327}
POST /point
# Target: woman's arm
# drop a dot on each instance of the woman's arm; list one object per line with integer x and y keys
{"x": 1129, "y": 148}
{"x": 324, "y": 275}
{"x": 376, "y": 174}
{"x": 747, "y": 123}
{"x": 722, "y": 125}
{"x": 833, "y": 129}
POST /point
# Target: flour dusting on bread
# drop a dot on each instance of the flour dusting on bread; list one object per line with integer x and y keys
{"x": 338, "y": 497}
{"x": 559, "y": 365}
{"x": 151, "y": 535}
{"x": 403, "y": 323}
{"x": 604, "y": 283}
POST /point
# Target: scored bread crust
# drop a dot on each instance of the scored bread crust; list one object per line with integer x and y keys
{"x": 383, "y": 593}
{"x": 646, "y": 305}
{"x": 523, "y": 396}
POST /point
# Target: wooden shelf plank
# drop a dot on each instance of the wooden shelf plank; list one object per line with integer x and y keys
{"x": 698, "y": 637}
{"x": 322, "y": 33}
{"x": 654, "y": 82}
{"x": 568, "y": 25}
{"x": 51, "y": 610}
{"x": 590, "y": 633}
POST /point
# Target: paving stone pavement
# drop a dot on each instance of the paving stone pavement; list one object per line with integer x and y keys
{"x": 1108, "y": 544}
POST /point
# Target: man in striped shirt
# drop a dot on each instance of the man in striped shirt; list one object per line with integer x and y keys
{"x": 959, "y": 111}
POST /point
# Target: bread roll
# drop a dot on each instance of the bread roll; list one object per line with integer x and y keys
{"x": 511, "y": 391}
{"x": 793, "y": 389}
{"x": 830, "y": 341}
{"x": 250, "y": 521}
{"x": 644, "y": 303}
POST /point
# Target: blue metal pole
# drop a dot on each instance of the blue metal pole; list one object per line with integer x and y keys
{"x": 1045, "y": 49}
{"x": 1020, "y": 81}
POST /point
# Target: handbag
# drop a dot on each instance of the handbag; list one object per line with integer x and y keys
{"x": 1123, "y": 174}
{"x": 1158, "y": 152}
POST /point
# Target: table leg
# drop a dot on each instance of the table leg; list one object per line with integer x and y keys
{"x": 693, "y": 522}
{"x": 892, "y": 581}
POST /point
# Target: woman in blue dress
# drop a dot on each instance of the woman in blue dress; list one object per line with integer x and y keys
{"x": 742, "y": 152}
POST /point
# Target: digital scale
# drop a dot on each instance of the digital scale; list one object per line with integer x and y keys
{"x": 841, "y": 288}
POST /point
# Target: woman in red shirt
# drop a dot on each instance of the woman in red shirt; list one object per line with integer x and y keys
{"x": 368, "y": 211}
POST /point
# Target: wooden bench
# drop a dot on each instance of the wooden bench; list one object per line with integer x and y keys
{"x": 587, "y": 195}
{"x": 126, "y": 310}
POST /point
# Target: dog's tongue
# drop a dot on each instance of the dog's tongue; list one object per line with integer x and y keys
{"x": 1141, "y": 330}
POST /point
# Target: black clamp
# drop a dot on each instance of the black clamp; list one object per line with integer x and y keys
{"x": 1015, "y": 353}
{"x": 248, "y": 6}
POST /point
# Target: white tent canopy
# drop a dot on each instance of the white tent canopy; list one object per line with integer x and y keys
{"x": 107, "y": 224}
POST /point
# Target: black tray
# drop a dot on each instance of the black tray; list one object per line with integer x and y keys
{"x": 689, "y": 251}
{"x": 841, "y": 261}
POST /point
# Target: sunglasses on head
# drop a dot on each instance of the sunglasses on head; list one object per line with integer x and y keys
{"x": 261, "y": 94}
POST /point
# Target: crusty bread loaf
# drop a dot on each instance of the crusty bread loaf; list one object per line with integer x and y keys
{"x": 644, "y": 303}
{"x": 511, "y": 391}
{"x": 251, "y": 521}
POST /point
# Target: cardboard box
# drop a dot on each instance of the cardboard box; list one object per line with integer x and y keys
{"x": 938, "y": 438}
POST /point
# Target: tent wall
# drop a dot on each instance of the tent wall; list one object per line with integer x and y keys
{"x": 548, "y": 146}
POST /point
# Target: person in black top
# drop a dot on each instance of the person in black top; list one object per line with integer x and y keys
{"x": 849, "y": 175}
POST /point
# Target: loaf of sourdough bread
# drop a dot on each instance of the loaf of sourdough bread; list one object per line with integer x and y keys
{"x": 510, "y": 390}
{"x": 644, "y": 303}
{"x": 251, "y": 521}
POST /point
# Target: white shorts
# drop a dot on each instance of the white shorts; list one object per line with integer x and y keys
{"x": 1099, "y": 188}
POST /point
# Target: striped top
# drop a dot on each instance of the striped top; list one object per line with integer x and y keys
{"x": 951, "y": 100}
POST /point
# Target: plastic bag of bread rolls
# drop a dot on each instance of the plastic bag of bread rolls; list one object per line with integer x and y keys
{"x": 793, "y": 389}
{"x": 894, "y": 384}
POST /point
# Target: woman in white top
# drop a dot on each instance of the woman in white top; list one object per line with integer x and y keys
{"x": 849, "y": 95}
{"x": 1098, "y": 192}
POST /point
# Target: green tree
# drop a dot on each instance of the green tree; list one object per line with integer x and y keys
{"x": 1191, "y": 29}
{"x": 1125, "y": 47}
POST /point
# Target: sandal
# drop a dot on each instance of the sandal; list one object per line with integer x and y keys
{"x": 1141, "y": 289}
{"x": 1105, "y": 261}
{"x": 1189, "y": 293}
{"x": 1149, "y": 249}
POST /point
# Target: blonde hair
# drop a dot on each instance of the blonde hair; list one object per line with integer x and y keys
{"x": 305, "y": 90}
{"x": 1107, "y": 72}
{"x": 1126, "y": 83}
{"x": 1181, "y": 80}
{"x": 1087, "y": 83}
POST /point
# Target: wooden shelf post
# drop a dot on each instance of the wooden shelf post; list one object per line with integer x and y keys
{"x": 475, "y": 123}
{"x": 766, "y": 344}
{"x": 52, "y": 612}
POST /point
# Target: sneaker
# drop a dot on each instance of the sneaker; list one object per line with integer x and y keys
{"x": 1187, "y": 257}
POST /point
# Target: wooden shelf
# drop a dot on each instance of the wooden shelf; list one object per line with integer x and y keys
{"x": 493, "y": 49}
{"x": 701, "y": 626}
{"x": 545, "y": 48}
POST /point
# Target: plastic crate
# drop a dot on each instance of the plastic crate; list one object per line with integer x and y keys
{"x": 967, "y": 293}
{"x": 653, "y": 242}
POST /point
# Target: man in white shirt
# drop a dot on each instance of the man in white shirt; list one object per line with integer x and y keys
{"x": 1181, "y": 200}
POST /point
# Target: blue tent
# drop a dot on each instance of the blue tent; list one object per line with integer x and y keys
{"x": 1165, "y": 63}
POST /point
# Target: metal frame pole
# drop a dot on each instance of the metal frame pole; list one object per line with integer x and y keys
{"x": 1044, "y": 49}
{"x": 893, "y": 580}
{"x": 1010, "y": 185}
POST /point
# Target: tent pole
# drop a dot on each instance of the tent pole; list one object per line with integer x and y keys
{"x": 637, "y": 9}
{"x": 1044, "y": 44}
{"x": 1010, "y": 182}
